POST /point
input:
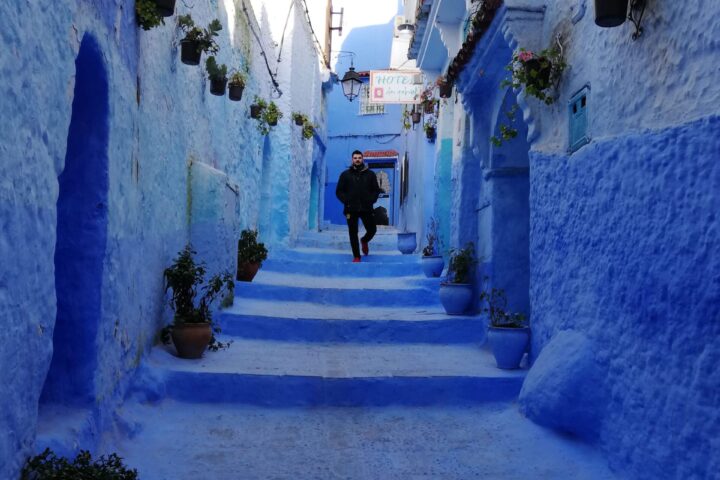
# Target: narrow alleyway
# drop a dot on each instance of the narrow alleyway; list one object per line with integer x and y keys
{"x": 341, "y": 371}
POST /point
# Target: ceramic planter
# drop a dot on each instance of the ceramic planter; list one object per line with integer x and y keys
{"x": 247, "y": 271}
{"x": 191, "y": 339}
{"x": 456, "y": 297}
{"x": 610, "y": 13}
{"x": 432, "y": 265}
{"x": 217, "y": 86}
{"x": 189, "y": 52}
{"x": 235, "y": 91}
{"x": 508, "y": 345}
{"x": 165, "y": 8}
{"x": 407, "y": 242}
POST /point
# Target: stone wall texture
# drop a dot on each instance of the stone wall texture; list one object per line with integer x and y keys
{"x": 175, "y": 155}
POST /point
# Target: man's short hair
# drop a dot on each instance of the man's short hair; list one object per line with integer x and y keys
{"x": 357, "y": 152}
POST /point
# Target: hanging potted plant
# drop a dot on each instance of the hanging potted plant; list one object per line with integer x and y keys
{"x": 416, "y": 116}
{"x": 149, "y": 13}
{"x": 197, "y": 40}
{"x": 299, "y": 119}
{"x": 250, "y": 255}
{"x": 272, "y": 114}
{"x": 430, "y": 128}
{"x": 610, "y": 13}
{"x": 456, "y": 292}
{"x": 217, "y": 74}
{"x": 257, "y": 108}
{"x": 429, "y": 105}
{"x": 192, "y": 330}
{"x": 445, "y": 86}
{"x": 508, "y": 333}
{"x": 236, "y": 85}
{"x": 432, "y": 263}
{"x": 308, "y": 130}
{"x": 536, "y": 73}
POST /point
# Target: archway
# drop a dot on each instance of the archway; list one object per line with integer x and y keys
{"x": 82, "y": 215}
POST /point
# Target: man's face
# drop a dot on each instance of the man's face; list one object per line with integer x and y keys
{"x": 357, "y": 159}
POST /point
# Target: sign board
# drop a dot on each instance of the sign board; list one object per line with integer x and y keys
{"x": 395, "y": 86}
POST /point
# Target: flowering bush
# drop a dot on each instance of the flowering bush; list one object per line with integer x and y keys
{"x": 535, "y": 72}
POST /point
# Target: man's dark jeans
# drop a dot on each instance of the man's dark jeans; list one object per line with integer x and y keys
{"x": 368, "y": 220}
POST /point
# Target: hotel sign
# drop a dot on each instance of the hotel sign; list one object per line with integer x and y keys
{"x": 395, "y": 86}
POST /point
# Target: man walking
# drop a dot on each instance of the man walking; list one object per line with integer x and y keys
{"x": 358, "y": 189}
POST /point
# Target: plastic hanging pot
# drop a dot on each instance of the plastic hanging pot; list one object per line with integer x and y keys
{"x": 190, "y": 52}
{"x": 446, "y": 89}
{"x": 610, "y": 13}
{"x": 429, "y": 107}
{"x": 235, "y": 91}
{"x": 166, "y": 8}
{"x": 430, "y": 133}
{"x": 217, "y": 86}
{"x": 255, "y": 111}
{"x": 299, "y": 121}
{"x": 273, "y": 122}
{"x": 416, "y": 117}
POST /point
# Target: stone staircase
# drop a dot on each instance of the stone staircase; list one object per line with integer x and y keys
{"x": 314, "y": 329}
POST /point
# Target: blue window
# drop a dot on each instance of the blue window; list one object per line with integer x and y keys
{"x": 578, "y": 119}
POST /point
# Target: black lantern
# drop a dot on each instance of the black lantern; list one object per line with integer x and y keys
{"x": 351, "y": 83}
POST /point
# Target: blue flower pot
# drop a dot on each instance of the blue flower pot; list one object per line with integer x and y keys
{"x": 407, "y": 242}
{"x": 456, "y": 297}
{"x": 432, "y": 265}
{"x": 508, "y": 345}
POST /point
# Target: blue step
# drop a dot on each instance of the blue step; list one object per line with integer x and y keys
{"x": 369, "y": 267}
{"x": 281, "y": 374}
{"x": 293, "y": 321}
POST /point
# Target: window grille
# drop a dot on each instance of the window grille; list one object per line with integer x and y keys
{"x": 367, "y": 108}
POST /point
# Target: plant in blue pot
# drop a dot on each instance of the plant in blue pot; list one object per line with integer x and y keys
{"x": 457, "y": 292}
{"x": 432, "y": 262}
{"x": 508, "y": 333}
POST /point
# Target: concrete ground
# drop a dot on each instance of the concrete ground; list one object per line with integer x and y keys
{"x": 183, "y": 441}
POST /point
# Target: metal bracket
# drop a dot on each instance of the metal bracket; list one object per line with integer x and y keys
{"x": 637, "y": 9}
{"x": 342, "y": 14}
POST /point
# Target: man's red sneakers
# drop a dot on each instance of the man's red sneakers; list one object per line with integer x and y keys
{"x": 364, "y": 246}
{"x": 356, "y": 260}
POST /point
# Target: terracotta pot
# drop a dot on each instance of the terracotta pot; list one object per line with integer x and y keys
{"x": 255, "y": 111}
{"x": 235, "y": 92}
{"x": 247, "y": 271}
{"x": 191, "y": 339}
{"x": 217, "y": 86}
{"x": 189, "y": 52}
{"x": 166, "y": 8}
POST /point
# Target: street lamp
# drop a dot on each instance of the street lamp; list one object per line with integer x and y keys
{"x": 351, "y": 82}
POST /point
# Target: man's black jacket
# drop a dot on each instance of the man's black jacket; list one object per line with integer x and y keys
{"x": 358, "y": 189}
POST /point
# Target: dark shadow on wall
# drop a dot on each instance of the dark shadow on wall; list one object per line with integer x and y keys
{"x": 82, "y": 216}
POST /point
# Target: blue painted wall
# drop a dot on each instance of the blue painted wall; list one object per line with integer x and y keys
{"x": 625, "y": 242}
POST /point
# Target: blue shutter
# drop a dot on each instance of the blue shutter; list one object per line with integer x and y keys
{"x": 578, "y": 119}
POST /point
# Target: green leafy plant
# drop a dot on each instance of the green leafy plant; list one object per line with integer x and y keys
{"x": 48, "y": 466}
{"x": 433, "y": 239}
{"x": 300, "y": 118}
{"x": 249, "y": 249}
{"x": 462, "y": 260}
{"x": 406, "y": 121}
{"x": 535, "y": 72}
{"x": 184, "y": 277}
{"x": 260, "y": 105}
{"x": 237, "y": 78}
{"x": 272, "y": 114}
{"x": 430, "y": 126}
{"x": 205, "y": 37}
{"x": 308, "y": 130}
{"x": 507, "y": 132}
{"x": 215, "y": 71}
{"x": 147, "y": 14}
{"x": 496, "y": 307}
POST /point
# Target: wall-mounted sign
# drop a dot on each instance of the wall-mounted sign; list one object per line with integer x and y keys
{"x": 395, "y": 86}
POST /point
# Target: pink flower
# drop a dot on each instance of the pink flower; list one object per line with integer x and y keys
{"x": 525, "y": 56}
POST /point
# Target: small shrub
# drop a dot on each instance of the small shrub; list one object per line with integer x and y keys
{"x": 147, "y": 14}
{"x": 249, "y": 249}
{"x": 462, "y": 260}
{"x": 48, "y": 466}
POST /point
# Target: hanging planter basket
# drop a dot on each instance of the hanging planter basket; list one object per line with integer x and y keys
{"x": 416, "y": 117}
{"x": 430, "y": 133}
{"x": 429, "y": 107}
{"x": 610, "y": 13}
{"x": 255, "y": 111}
{"x": 446, "y": 89}
{"x": 272, "y": 122}
{"x": 299, "y": 121}
{"x": 542, "y": 69}
{"x": 217, "y": 86}
{"x": 165, "y": 8}
{"x": 235, "y": 91}
{"x": 190, "y": 52}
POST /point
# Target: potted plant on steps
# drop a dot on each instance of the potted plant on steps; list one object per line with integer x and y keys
{"x": 508, "y": 333}
{"x": 236, "y": 85}
{"x": 217, "y": 74}
{"x": 432, "y": 263}
{"x": 406, "y": 242}
{"x": 250, "y": 255}
{"x": 192, "y": 330}
{"x": 456, "y": 293}
{"x": 197, "y": 40}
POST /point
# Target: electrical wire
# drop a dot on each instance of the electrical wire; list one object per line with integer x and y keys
{"x": 282, "y": 38}
{"x": 275, "y": 83}
{"x": 317, "y": 42}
